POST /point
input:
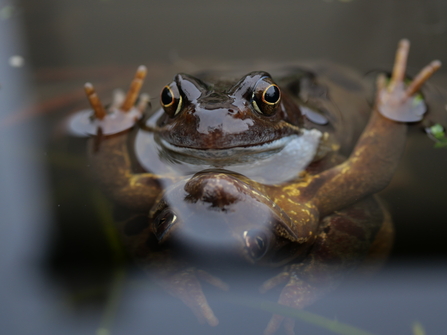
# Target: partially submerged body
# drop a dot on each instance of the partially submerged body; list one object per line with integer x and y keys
{"x": 251, "y": 170}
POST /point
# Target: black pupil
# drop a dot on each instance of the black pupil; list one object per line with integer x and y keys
{"x": 166, "y": 96}
{"x": 271, "y": 95}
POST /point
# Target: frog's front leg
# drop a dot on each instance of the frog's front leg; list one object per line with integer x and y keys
{"x": 112, "y": 170}
{"x": 367, "y": 171}
{"x": 372, "y": 164}
{"x": 108, "y": 148}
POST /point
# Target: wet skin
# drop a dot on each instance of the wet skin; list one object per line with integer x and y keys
{"x": 221, "y": 144}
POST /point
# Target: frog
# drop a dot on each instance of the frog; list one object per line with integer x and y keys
{"x": 253, "y": 170}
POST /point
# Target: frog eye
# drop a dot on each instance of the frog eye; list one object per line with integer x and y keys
{"x": 266, "y": 97}
{"x": 257, "y": 243}
{"x": 163, "y": 223}
{"x": 271, "y": 95}
{"x": 171, "y": 100}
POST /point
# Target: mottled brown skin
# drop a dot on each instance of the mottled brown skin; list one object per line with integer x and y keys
{"x": 212, "y": 117}
{"x": 318, "y": 226}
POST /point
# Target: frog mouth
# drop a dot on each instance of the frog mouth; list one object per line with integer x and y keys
{"x": 269, "y": 163}
{"x": 259, "y": 150}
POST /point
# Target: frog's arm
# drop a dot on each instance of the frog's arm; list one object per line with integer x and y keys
{"x": 108, "y": 150}
{"x": 375, "y": 157}
{"x": 344, "y": 239}
{"x": 368, "y": 170}
{"x": 111, "y": 168}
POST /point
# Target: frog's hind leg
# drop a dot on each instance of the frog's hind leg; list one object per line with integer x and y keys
{"x": 172, "y": 273}
{"x": 344, "y": 239}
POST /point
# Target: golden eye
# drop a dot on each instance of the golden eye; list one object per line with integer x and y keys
{"x": 266, "y": 97}
{"x": 271, "y": 95}
{"x": 171, "y": 100}
{"x": 167, "y": 97}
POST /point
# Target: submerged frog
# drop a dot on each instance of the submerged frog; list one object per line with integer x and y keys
{"x": 254, "y": 170}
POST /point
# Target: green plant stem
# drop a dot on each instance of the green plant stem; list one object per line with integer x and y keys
{"x": 113, "y": 302}
{"x": 320, "y": 321}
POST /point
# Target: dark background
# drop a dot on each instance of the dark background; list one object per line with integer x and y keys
{"x": 53, "y": 249}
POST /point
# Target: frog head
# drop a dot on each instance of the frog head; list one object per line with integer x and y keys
{"x": 223, "y": 115}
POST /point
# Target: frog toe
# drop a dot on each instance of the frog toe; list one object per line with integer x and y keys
{"x": 279, "y": 279}
{"x": 186, "y": 286}
{"x": 203, "y": 312}
{"x": 398, "y": 101}
{"x": 422, "y": 77}
{"x": 296, "y": 294}
{"x": 212, "y": 280}
{"x": 289, "y": 326}
{"x": 121, "y": 115}
{"x": 274, "y": 324}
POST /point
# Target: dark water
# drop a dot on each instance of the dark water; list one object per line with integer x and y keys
{"x": 58, "y": 267}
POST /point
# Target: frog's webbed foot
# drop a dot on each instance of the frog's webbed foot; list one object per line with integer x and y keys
{"x": 186, "y": 286}
{"x": 297, "y": 294}
{"x": 121, "y": 115}
{"x": 400, "y": 102}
